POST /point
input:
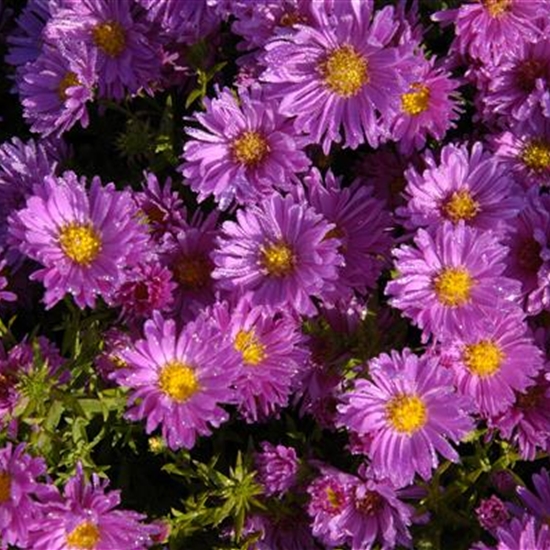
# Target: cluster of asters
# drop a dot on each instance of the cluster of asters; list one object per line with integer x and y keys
{"x": 211, "y": 305}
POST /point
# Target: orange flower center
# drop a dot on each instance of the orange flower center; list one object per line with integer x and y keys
{"x": 5, "y": 487}
{"x": 536, "y": 155}
{"x": 497, "y": 8}
{"x": 278, "y": 259}
{"x": 460, "y": 206}
{"x": 193, "y": 272}
{"x": 84, "y": 536}
{"x": 70, "y": 79}
{"x": 250, "y": 148}
{"x": 110, "y": 37}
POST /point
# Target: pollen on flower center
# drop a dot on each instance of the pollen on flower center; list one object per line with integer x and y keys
{"x": 416, "y": 102}
{"x": 497, "y": 8}
{"x": 178, "y": 381}
{"x": 80, "y": 242}
{"x": 70, "y": 79}
{"x": 370, "y": 504}
{"x": 250, "y": 148}
{"x": 253, "y": 351}
{"x": 460, "y": 206}
{"x": 484, "y": 358}
{"x": 278, "y": 259}
{"x": 453, "y": 286}
{"x": 5, "y": 487}
{"x": 110, "y": 37}
{"x": 528, "y": 255}
{"x": 528, "y": 72}
{"x": 193, "y": 272}
{"x": 536, "y": 155}
{"x": 345, "y": 71}
{"x": 335, "y": 498}
{"x": 84, "y": 536}
{"x": 406, "y": 413}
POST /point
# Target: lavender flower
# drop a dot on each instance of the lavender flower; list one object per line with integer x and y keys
{"x": 277, "y": 467}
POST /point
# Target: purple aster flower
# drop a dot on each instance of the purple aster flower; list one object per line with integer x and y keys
{"x": 280, "y": 250}
{"x": 492, "y": 513}
{"x": 25, "y": 43}
{"x": 361, "y": 223}
{"x": 277, "y": 468}
{"x": 85, "y": 517}
{"x": 270, "y": 349}
{"x": 359, "y": 512}
{"x": 244, "y": 149}
{"x": 452, "y": 279}
{"x": 526, "y": 152}
{"x": 22, "y": 165}
{"x": 537, "y": 504}
{"x": 411, "y": 409}
{"x": 518, "y": 87}
{"x": 19, "y": 490}
{"x": 162, "y": 206}
{"x": 428, "y": 108}
{"x": 465, "y": 185}
{"x": 526, "y": 424}
{"x": 258, "y": 22}
{"x": 187, "y": 253}
{"x": 339, "y": 73}
{"x": 146, "y": 288}
{"x": 187, "y": 22}
{"x": 524, "y": 534}
{"x": 127, "y": 56}
{"x": 529, "y": 257}
{"x": 495, "y": 360}
{"x": 178, "y": 380}
{"x": 55, "y": 88}
{"x": 488, "y": 28}
{"x": 83, "y": 239}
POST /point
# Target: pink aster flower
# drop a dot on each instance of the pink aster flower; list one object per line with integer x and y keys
{"x": 187, "y": 253}
{"x": 361, "y": 223}
{"x": 359, "y": 512}
{"x": 277, "y": 468}
{"x": 428, "y": 108}
{"x": 452, "y": 279}
{"x": 495, "y": 360}
{"x": 518, "y": 87}
{"x": 529, "y": 257}
{"x": 281, "y": 251}
{"x": 55, "y": 89}
{"x": 179, "y": 379}
{"x": 20, "y": 490}
{"x": 270, "y": 350}
{"x": 339, "y": 73}
{"x": 244, "y": 149}
{"x": 525, "y": 150}
{"x": 526, "y": 424}
{"x": 128, "y": 56}
{"x": 146, "y": 288}
{"x": 488, "y": 28}
{"x": 468, "y": 185}
{"x": 86, "y": 517}
{"x": 411, "y": 411}
{"x": 492, "y": 513}
{"x": 83, "y": 239}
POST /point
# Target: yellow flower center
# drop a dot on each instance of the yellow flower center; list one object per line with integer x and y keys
{"x": 178, "y": 381}
{"x": 452, "y": 286}
{"x": 70, "y": 79}
{"x": 278, "y": 259}
{"x": 406, "y": 413}
{"x": 335, "y": 499}
{"x": 84, "y": 536}
{"x": 461, "y": 206}
{"x": 536, "y": 155}
{"x": 110, "y": 37}
{"x": 483, "y": 358}
{"x": 416, "y": 102}
{"x": 345, "y": 71}
{"x": 5, "y": 487}
{"x": 193, "y": 272}
{"x": 250, "y": 148}
{"x": 80, "y": 242}
{"x": 249, "y": 345}
{"x": 497, "y": 8}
